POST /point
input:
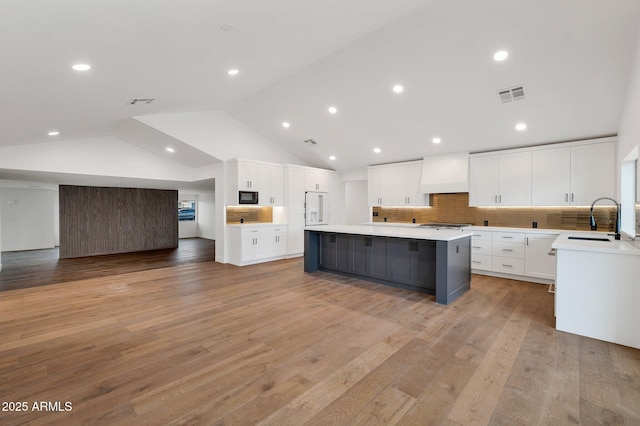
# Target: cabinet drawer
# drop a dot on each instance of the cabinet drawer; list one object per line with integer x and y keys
{"x": 248, "y": 232}
{"x": 509, "y": 237}
{"x": 508, "y": 265}
{"x": 482, "y": 235}
{"x": 481, "y": 247}
{"x": 481, "y": 261}
{"x": 508, "y": 249}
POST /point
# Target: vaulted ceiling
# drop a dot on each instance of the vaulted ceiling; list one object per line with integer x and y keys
{"x": 297, "y": 58}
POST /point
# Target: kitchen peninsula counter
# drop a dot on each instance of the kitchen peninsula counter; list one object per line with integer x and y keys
{"x": 432, "y": 261}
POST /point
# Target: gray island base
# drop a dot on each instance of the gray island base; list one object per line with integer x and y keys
{"x": 436, "y": 262}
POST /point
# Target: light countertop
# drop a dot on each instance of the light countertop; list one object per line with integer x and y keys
{"x": 394, "y": 231}
{"x": 612, "y": 246}
{"x": 251, "y": 225}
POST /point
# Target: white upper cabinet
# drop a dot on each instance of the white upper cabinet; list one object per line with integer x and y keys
{"x": 317, "y": 180}
{"x": 592, "y": 173}
{"x": 574, "y": 175}
{"x": 271, "y": 178}
{"x": 248, "y": 176}
{"x": 396, "y": 185}
{"x": 406, "y": 184}
{"x": 267, "y": 179}
{"x": 380, "y": 185}
{"x": 500, "y": 180}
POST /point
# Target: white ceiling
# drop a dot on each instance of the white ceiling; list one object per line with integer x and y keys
{"x": 296, "y": 58}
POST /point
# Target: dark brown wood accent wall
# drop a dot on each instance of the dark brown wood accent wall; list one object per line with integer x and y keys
{"x": 98, "y": 220}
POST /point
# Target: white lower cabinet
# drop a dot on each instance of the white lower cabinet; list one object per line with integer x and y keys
{"x": 518, "y": 255}
{"x": 538, "y": 262}
{"x": 256, "y": 244}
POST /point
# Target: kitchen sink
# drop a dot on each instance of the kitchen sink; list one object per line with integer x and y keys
{"x": 590, "y": 239}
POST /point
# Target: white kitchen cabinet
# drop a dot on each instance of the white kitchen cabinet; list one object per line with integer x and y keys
{"x": 573, "y": 175}
{"x": 317, "y": 180}
{"x": 516, "y": 254}
{"x": 276, "y": 241}
{"x": 396, "y": 185}
{"x": 380, "y": 185}
{"x": 406, "y": 184}
{"x": 254, "y": 244}
{"x": 271, "y": 178}
{"x": 538, "y": 262}
{"x": 592, "y": 172}
{"x": 248, "y": 176}
{"x": 500, "y": 179}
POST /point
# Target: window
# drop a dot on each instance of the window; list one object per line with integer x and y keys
{"x": 187, "y": 210}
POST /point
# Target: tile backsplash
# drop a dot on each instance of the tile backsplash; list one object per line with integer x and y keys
{"x": 454, "y": 208}
{"x": 250, "y": 214}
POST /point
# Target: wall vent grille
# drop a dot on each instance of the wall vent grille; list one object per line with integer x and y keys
{"x": 511, "y": 94}
{"x": 311, "y": 142}
{"x": 136, "y": 101}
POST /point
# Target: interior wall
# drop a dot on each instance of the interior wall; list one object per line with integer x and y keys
{"x": 28, "y": 221}
{"x": 207, "y": 215}
{"x": 355, "y": 202}
{"x": 98, "y": 220}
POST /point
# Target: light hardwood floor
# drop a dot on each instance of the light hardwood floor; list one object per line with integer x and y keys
{"x": 215, "y": 344}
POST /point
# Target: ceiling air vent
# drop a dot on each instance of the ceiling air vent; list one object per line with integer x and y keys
{"x": 511, "y": 94}
{"x": 311, "y": 142}
{"x": 136, "y": 101}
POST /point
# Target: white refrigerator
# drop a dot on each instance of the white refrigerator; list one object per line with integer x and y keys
{"x": 316, "y": 208}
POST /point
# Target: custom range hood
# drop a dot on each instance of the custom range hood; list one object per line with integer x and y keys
{"x": 445, "y": 173}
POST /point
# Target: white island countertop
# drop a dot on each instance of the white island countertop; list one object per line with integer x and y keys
{"x": 612, "y": 246}
{"x": 394, "y": 231}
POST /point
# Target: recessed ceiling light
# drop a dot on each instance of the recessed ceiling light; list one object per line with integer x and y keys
{"x": 377, "y": 150}
{"x": 333, "y": 109}
{"x": 233, "y": 71}
{"x": 227, "y": 28}
{"x": 398, "y": 88}
{"x": 521, "y": 127}
{"x": 53, "y": 133}
{"x": 500, "y": 55}
{"x": 81, "y": 67}
{"x": 170, "y": 149}
{"x": 436, "y": 140}
{"x": 332, "y": 157}
{"x": 286, "y": 125}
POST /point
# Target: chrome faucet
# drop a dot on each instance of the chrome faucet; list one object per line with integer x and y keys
{"x": 592, "y": 219}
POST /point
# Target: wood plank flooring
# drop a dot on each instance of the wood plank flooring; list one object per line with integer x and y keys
{"x": 213, "y": 344}
{"x": 34, "y": 268}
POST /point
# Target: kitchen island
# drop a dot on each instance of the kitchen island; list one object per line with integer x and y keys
{"x": 598, "y": 287}
{"x": 432, "y": 261}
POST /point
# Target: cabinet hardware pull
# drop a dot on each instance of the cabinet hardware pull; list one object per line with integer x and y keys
{"x": 507, "y": 250}
{"x": 506, "y": 237}
{"x": 496, "y": 199}
{"x": 507, "y": 266}
{"x": 566, "y": 197}
{"x": 476, "y": 246}
{"x": 572, "y": 197}
{"x": 477, "y": 235}
{"x": 500, "y": 198}
{"x": 475, "y": 261}
{"x": 527, "y": 240}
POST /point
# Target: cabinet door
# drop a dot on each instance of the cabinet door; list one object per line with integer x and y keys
{"x": 514, "y": 182}
{"x": 400, "y": 185}
{"x": 271, "y": 179}
{"x": 317, "y": 180}
{"x": 344, "y": 260}
{"x": 551, "y": 177}
{"x": 248, "y": 176}
{"x": 362, "y": 255}
{"x": 380, "y": 257}
{"x": 328, "y": 252}
{"x": 483, "y": 181}
{"x": 424, "y": 265}
{"x": 401, "y": 256}
{"x": 264, "y": 197}
{"x": 277, "y": 185}
{"x": 538, "y": 263}
{"x": 295, "y": 188}
{"x": 414, "y": 184}
{"x": 295, "y": 228}
{"x": 380, "y": 186}
{"x": 592, "y": 172}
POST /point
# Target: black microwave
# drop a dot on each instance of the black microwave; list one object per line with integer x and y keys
{"x": 247, "y": 197}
